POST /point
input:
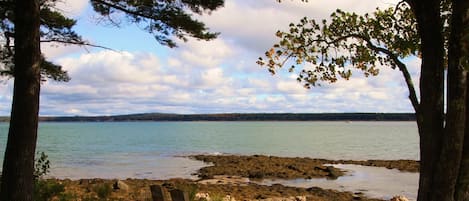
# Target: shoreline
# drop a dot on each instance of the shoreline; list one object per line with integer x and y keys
{"x": 231, "y": 175}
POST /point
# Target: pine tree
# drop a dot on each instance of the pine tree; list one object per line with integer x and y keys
{"x": 27, "y": 23}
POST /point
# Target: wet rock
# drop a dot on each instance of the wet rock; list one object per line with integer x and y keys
{"x": 333, "y": 173}
{"x": 120, "y": 185}
{"x": 256, "y": 174}
{"x": 261, "y": 197}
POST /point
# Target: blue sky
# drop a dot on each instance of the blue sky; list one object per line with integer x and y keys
{"x": 219, "y": 76}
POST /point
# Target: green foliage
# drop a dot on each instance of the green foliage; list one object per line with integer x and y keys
{"x": 191, "y": 189}
{"x": 328, "y": 50}
{"x": 103, "y": 190}
{"x": 66, "y": 197}
{"x": 44, "y": 190}
{"x": 217, "y": 197}
{"x": 55, "y": 27}
{"x": 53, "y": 71}
{"x": 163, "y": 19}
{"x": 41, "y": 166}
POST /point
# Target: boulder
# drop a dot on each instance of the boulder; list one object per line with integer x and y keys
{"x": 333, "y": 173}
{"x": 120, "y": 185}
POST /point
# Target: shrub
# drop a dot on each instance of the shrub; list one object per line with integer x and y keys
{"x": 103, "y": 190}
{"x": 217, "y": 197}
{"x": 45, "y": 190}
{"x": 41, "y": 166}
{"x": 192, "y": 191}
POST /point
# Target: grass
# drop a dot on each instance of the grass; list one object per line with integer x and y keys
{"x": 103, "y": 190}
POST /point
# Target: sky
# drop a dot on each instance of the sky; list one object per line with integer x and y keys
{"x": 220, "y": 76}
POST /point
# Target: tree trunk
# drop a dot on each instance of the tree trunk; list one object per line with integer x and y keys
{"x": 430, "y": 111}
{"x": 18, "y": 165}
{"x": 461, "y": 23}
{"x": 448, "y": 166}
{"x": 462, "y": 186}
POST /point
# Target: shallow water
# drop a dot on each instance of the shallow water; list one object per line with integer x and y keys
{"x": 157, "y": 167}
{"x": 151, "y": 149}
{"x": 374, "y": 182}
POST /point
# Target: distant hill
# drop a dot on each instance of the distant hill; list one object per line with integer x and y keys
{"x": 238, "y": 117}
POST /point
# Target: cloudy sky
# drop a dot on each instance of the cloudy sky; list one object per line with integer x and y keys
{"x": 219, "y": 76}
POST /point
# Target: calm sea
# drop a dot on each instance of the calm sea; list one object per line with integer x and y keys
{"x": 152, "y": 149}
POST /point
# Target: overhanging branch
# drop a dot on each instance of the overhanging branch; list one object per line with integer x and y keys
{"x": 79, "y": 43}
{"x": 123, "y": 9}
{"x": 402, "y": 67}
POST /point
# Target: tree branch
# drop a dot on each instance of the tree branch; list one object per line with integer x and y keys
{"x": 8, "y": 35}
{"x": 124, "y": 9}
{"x": 79, "y": 43}
{"x": 396, "y": 8}
{"x": 402, "y": 67}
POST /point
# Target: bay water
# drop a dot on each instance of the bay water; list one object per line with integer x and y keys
{"x": 156, "y": 150}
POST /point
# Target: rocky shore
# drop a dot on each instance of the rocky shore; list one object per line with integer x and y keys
{"x": 228, "y": 176}
{"x": 265, "y": 167}
{"x": 273, "y": 167}
{"x": 139, "y": 190}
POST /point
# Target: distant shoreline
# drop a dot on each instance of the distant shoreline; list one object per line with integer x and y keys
{"x": 233, "y": 117}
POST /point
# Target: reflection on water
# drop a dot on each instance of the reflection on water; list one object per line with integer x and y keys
{"x": 374, "y": 182}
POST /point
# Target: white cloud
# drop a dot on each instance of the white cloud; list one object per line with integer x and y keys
{"x": 72, "y": 8}
{"x": 205, "y": 54}
{"x": 291, "y": 87}
{"x": 216, "y": 76}
{"x": 252, "y": 24}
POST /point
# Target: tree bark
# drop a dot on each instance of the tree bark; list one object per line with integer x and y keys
{"x": 461, "y": 24}
{"x": 462, "y": 185}
{"x": 18, "y": 165}
{"x": 430, "y": 118}
{"x": 448, "y": 166}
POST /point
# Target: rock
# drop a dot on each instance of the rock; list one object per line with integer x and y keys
{"x": 229, "y": 198}
{"x": 333, "y": 173}
{"x": 293, "y": 198}
{"x": 202, "y": 196}
{"x": 120, "y": 185}
{"x": 206, "y": 196}
{"x": 399, "y": 198}
{"x": 300, "y": 198}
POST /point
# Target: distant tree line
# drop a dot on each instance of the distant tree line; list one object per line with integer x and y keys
{"x": 239, "y": 117}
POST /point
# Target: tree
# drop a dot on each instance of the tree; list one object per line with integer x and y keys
{"x": 435, "y": 31}
{"x": 30, "y": 22}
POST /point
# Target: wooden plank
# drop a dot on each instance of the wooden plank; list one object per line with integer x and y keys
{"x": 158, "y": 193}
{"x": 179, "y": 195}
